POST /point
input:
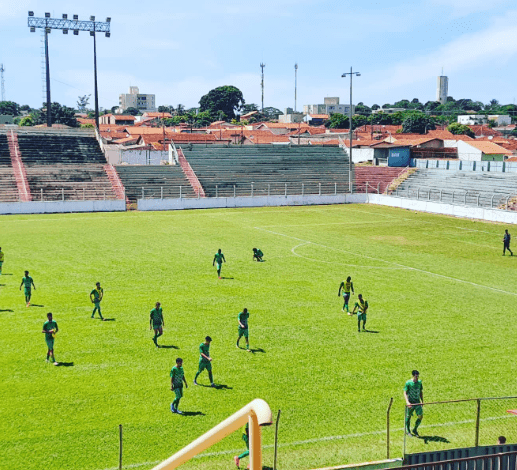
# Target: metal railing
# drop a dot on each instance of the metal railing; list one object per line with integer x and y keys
{"x": 467, "y": 198}
{"x": 80, "y": 194}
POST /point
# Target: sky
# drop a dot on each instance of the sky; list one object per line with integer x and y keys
{"x": 179, "y": 51}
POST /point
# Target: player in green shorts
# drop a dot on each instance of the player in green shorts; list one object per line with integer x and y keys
{"x": 96, "y": 295}
{"x": 156, "y": 322}
{"x": 257, "y": 254}
{"x": 205, "y": 361}
{"x": 219, "y": 259}
{"x": 362, "y": 306}
{"x": 177, "y": 380}
{"x": 346, "y": 286}
{"x": 414, "y": 396}
{"x": 243, "y": 328}
{"x": 1, "y": 260}
{"x": 50, "y": 329}
{"x": 28, "y": 283}
{"x": 246, "y": 439}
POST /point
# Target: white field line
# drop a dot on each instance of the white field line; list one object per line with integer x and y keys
{"x": 318, "y": 439}
{"x": 423, "y": 271}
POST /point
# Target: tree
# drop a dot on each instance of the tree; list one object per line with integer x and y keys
{"x": 165, "y": 109}
{"x": 417, "y": 123}
{"x": 9, "y": 107}
{"x": 386, "y": 105}
{"x": 375, "y": 107}
{"x": 401, "y": 104}
{"x": 460, "y": 129}
{"x": 431, "y": 105}
{"x": 87, "y": 126}
{"x": 132, "y": 111}
{"x": 180, "y": 109}
{"x": 272, "y": 113}
{"x": 361, "y": 108}
{"x": 248, "y": 108}
{"x": 224, "y": 98}
{"x": 60, "y": 115}
{"x": 337, "y": 121}
{"x": 379, "y": 118}
{"x": 82, "y": 102}
{"x": 27, "y": 121}
{"x": 25, "y": 107}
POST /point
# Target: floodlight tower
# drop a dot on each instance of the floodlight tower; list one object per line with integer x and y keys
{"x": 65, "y": 24}
{"x": 2, "y": 70}
{"x": 295, "y": 84}
{"x": 262, "y": 84}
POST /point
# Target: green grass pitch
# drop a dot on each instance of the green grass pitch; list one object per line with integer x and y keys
{"x": 442, "y": 300}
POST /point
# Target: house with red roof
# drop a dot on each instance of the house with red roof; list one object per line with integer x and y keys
{"x": 482, "y": 150}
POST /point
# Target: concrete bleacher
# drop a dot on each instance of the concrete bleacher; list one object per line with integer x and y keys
{"x": 156, "y": 180}
{"x": 8, "y": 188}
{"x": 225, "y": 171}
{"x": 374, "y": 179}
{"x": 460, "y": 187}
{"x": 65, "y": 164}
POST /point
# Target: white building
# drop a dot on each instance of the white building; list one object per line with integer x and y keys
{"x": 472, "y": 119}
{"x": 330, "y": 106}
{"x": 442, "y": 89}
{"x": 501, "y": 120}
{"x": 135, "y": 99}
{"x": 481, "y": 150}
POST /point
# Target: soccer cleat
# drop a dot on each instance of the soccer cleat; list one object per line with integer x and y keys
{"x": 173, "y": 410}
{"x": 249, "y": 350}
{"x": 359, "y": 330}
{"x": 219, "y": 277}
{"x": 56, "y": 363}
{"x": 237, "y": 346}
{"x": 237, "y": 461}
{"x": 195, "y": 383}
{"x": 415, "y": 433}
{"x": 179, "y": 412}
{"x": 408, "y": 434}
{"x": 212, "y": 384}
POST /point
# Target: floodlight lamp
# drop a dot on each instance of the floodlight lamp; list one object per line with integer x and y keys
{"x": 48, "y": 30}
{"x": 344, "y": 75}
{"x": 108, "y": 35}
{"x": 76, "y": 17}
{"x": 31, "y": 13}
{"x": 65, "y": 16}
{"x": 76, "y": 32}
{"x": 65, "y": 31}
{"x": 92, "y": 33}
{"x": 108, "y": 20}
{"x": 358, "y": 74}
{"x": 92, "y": 18}
{"x": 33, "y": 29}
{"x": 47, "y": 15}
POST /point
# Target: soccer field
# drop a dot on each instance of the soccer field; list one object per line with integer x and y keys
{"x": 442, "y": 300}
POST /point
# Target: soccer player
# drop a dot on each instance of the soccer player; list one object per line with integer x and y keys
{"x": 246, "y": 439}
{"x": 414, "y": 395}
{"x": 257, "y": 254}
{"x": 50, "y": 329}
{"x": 205, "y": 361}
{"x": 177, "y": 380}
{"x": 243, "y": 328}
{"x": 96, "y": 295}
{"x": 156, "y": 322}
{"x": 219, "y": 259}
{"x": 28, "y": 283}
{"x": 1, "y": 260}
{"x": 346, "y": 286}
{"x": 506, "y": 242}
{"x": 362, "y": 306}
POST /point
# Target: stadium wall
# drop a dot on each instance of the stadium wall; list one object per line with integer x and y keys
{"x": 491, "y": 215}
{"x": 52, "y": 207}
{"x": 259, "y": 201}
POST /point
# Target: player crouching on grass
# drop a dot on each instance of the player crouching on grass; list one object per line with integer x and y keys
{"x": 414, "y": 396}
{"x": 362, "y": 305}
{"x": 257, "y": 254}
{"x": 177, "y": 380}
{"x": 50, "y": 329}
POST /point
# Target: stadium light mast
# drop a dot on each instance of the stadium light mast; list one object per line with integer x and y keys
{"x": 2, "y": 70}
{"x": 295, "y": 83}
{"x": 262, "y": 65}
{"x": 350, "y": 134}
{"x": 65, "y": 24}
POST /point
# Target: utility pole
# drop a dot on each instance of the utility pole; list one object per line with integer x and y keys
{"x": 262, "y": 84}
{"x": 295, "y": 84}
{"x": 2, "y": 70}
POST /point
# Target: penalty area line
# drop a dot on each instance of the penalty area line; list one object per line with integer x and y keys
{"x": 423, "y": 271}
{"x": 319, "y": 439}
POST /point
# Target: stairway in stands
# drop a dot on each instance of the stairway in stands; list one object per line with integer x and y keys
{"x": 8, "y": 185}
{"x": 374, "y": 178}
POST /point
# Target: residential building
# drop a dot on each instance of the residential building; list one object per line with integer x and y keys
{"x": 135, "y": 99}
{"x": 500, "y": 120}
{"x": 388, "y": 110}
{"x": 483, "y": 150}
{"x": 290, "y": 116}
{"x": 472, "y": 119}
{"x": 119, "y": 120}
{"x": 330, "y": 106}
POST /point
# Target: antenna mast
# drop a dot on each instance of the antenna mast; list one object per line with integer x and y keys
{"x": 262, "y": 84}
{"x": 2, "y": 70}
{"x": 295, "y": 84}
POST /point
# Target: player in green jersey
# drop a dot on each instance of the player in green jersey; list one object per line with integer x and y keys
{"x": 243, "y": 328}
{"x": 246, "y": 439}
{"x": 362, "y": 306}
{"x": 156, "y": 322}
{"x": 205, "y": 361}
{"x": 414, "y": 396}
{"x": 177, "y": 380}
{"x": 28, "y": 283}
{"x": 1, "y": 260}
{"x": 50, "y": 329}
{"x": 219, "y": 259}
{"x": 96, "y": 295}
{"x": 346, "y": 287}
{"x": 257, "y": 254}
